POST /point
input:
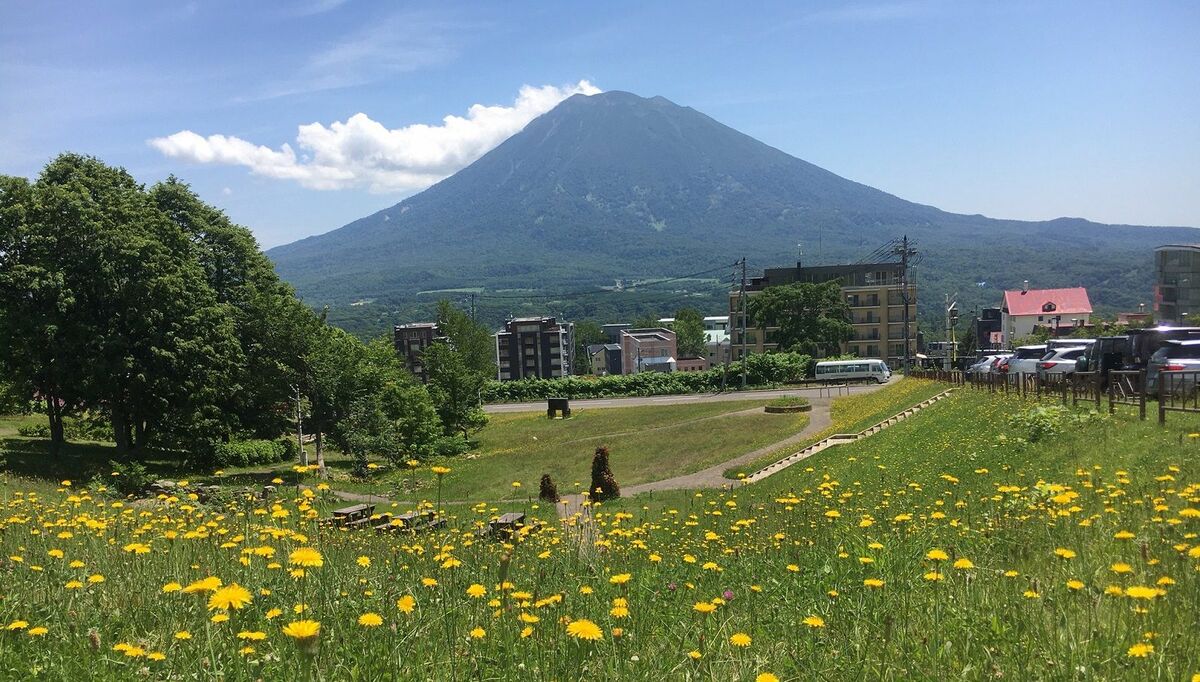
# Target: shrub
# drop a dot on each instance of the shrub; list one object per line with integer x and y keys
{"x": 449, "y": 446}
{"x": 1046, "y": 421}
{"x": 788, "y": 401}
{"x": 548, "y": 492}
{"x": 604, "y": 486}
{"x": 244, "y": 453}
{"x": 129, "y": 478}
{"x": 761, "y": 370}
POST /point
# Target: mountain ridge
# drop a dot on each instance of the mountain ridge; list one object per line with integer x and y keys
{"x": 617, "y": 186}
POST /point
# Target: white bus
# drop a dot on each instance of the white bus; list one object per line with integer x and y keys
{"x": 841, "y": 370}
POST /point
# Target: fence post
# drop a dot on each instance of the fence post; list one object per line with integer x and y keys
{"x": 1112, "y": 407}
{"x": 1096, "y": 382}
{"x": 1142, "y": 395}
{"x": 1162, "y": 403}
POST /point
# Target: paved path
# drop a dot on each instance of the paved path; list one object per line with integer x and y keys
{"x": 819, "y": 419}
{"x": 810, "y": 393}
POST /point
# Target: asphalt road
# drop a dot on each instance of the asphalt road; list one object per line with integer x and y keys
{"x": 814, "y": 392}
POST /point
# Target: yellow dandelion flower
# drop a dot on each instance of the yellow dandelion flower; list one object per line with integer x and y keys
{"x": 370, "y": 620}
{"x": 740, "y": 639}
{"x": 585, "y": 629}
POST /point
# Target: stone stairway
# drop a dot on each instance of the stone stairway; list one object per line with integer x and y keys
{"x": 839, "y": 438}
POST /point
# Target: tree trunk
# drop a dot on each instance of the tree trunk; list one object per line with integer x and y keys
{"x": 55, "y": 416}
{"x": 120, "y": 428}
{"x": 320, "y": 455}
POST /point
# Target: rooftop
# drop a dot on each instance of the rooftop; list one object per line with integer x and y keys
{"x": 1047, "y": 301}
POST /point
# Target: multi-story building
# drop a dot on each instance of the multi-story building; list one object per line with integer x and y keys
{"x": 604, "y": 358}
{"x": 876, "y": 297}
{"x": 1177, "y": 283}
{"x": 410, "y": 341}
{"x": 535, "y": 347}
{"x": 647, "y": 350}
{"x": 716, "y": 338}
{"x": 1060, "y": 310}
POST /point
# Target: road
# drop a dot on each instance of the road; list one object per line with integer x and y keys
{"x": 814, "y": 392}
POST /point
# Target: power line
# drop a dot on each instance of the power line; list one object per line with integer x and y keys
{"x": 589, "y": 292}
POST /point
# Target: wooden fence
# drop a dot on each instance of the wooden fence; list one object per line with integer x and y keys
{"x": 1174, "y": 391}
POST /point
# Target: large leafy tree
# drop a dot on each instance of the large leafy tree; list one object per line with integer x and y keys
{"x": 128, "y": 324}
{"x": 689, "y": 333}
{"x": 811, "y": 318}
{"x": 273, "y": 329}
{"x": 382, "y": 410}
{"x": 458, "y": 368}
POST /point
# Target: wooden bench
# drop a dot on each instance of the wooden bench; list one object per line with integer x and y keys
{"x": 561, "y": 406}
{"x": 353, "y": 515}
{"x": 504, "y": 526}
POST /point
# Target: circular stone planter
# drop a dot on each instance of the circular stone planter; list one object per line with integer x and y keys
{"x": 786, "y": 409}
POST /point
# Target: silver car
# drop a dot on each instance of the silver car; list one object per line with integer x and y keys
{"x": 1059, "y": 361}
{"x": 1174, "y": 356}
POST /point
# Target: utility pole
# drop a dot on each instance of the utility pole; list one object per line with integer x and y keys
{"x": 905, "y": 252}
{"x": 742, "y": 299}
{"x": 951, "y": 322}
{"x": 300, "y": 427}
{"x": 472, "y": 306}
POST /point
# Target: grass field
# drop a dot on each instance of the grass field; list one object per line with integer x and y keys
{"x": 645, "y": 443}
{"x": 949, "y": 546}
{"x": 851, "y": 414}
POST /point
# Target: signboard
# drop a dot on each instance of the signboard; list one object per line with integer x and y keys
{"x": 996, "y": 338}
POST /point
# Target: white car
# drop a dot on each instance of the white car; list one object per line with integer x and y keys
{"x": 985, "y": 365}
{"x": 1024, "y": 360}
{"x": 1059, "y": 361}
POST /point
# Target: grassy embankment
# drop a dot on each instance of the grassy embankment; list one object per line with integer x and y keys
{"x": 947, "y": 546}
{"x": 851, "y": 414}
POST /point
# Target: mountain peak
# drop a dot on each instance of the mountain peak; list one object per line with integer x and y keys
{"x": 618, "y": 186}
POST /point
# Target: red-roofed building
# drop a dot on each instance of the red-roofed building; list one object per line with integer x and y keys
{"x": 1026, "y": 308}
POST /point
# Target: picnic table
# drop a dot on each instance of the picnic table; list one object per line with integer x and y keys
{"x": 411, "y": 521}
{"x": 354, "y": 515}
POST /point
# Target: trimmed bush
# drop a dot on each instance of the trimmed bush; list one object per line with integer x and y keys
{"x": 604, "y": 485}
{"x": 245, "y": 453}
{"x": 764, "y": 369}
{"x": 548, "y": 492}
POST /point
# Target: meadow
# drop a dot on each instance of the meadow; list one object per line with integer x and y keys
{"x": 958, "y": 544}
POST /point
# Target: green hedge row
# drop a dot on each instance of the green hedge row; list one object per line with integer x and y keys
{"x": 761, "y": 370}
{"x": 244, "y": 453}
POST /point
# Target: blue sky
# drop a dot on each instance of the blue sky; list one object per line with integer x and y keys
{"x": 1027, "y": 110}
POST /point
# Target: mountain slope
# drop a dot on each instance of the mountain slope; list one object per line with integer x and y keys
{"x": 619, "y": 186}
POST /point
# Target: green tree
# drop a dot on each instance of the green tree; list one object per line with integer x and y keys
{"x": 458, "y": 368}
{"x": 587, "y": 333}
{"x": 128, "y": 325}
{"x": 273, "y": 329}
{"x": 811, "y": 318}
{"x": 385, "y": 411}
{"x": 690, "y": 339}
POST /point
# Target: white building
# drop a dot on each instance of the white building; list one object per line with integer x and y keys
{"x": 1061, "y": 310}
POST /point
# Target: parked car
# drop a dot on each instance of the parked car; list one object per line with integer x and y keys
{"x": 1106, "y": 354}
{"x": 985, "y": 365}
{"x": 1174, "y": 356}
{"x": 1059, "y": 361}
{"x": 1024, "y": 360}
{"x": 1068, "y": 343}
{"x": 1145, "y": 342}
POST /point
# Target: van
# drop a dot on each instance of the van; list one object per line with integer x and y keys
{"x": 866, "y": 369}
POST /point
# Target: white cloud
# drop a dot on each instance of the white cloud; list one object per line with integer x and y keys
{"x": 361, "y": 152}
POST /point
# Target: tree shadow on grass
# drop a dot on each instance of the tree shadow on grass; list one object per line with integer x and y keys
{"x": 31, "y": 458}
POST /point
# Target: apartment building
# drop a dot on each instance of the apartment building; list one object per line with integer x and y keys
{"x": 410, "y": 341}
{"x": 716, "y": 338}
{"x": 874, "y": 294}
{"x": 647, "y": 350}
{"x": 535, "y": 347}
{"x": 1177, "y": 283}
